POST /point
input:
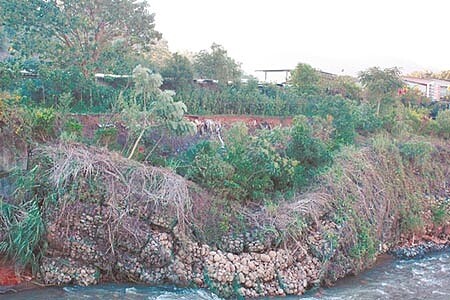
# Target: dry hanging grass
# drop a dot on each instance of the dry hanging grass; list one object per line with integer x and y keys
{"x": 124, "y": 186}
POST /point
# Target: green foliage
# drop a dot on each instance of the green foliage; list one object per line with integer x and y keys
{"x": 381, "y": 82}
{"x": 249, "y": 98}
{"x": 178, "y": 73}
{"x": 417, "y": 151}
{"x": 73, "y": 130}
{"x": 51, "y": 29}
{"x": 256, "y": 167}
{"x": 440, "y": 214}
{"x": 45, "y": 40}
{"x": 305, "y": 79}
{"x": 261, "y": 166}
{"x": 216, "y": 64}
{"x": 152, "y": 108}
{"x": 365, "y": 246}
{"x": 344, "y": 86}
{"x": 65, "y": 102}
{"x": 443, "y": 123}
{"x": 368, "y": 121}
{"x": 106, "y": 136}
{"x": 310, "y": 152}
{"x": 21, "y": 222}
{"x": 381, "y": 85}
{"x": 414, "y": 120}
{"x": 9, "y": 73}
{"x": 207, "y": 167}
{"x": 411, "y": 215}
{"x": 413, "y": 97}
{"x": 43, "y": 122}
{"x": 13, "y": 120}
{"x": 24, "y": 229}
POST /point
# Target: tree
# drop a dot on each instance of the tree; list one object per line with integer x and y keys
{"x": 381, "y": 84}
{"x": 178, "y": 72}
{"x": 346, "y": 86}
{"x": 216, "y": 64}
{"x": 444, "y": 75}
{"x": 422, "y": 74}
{"x": 77, "y": 32}
{"x": 305, "y": 79}
{"x": 152, "y": 107}
{"x": 159, "y": 53}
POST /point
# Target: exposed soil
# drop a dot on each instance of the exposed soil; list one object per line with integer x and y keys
{"x": 92, "y": 122}
{"x": 9, "y": 277}
{"x": 252, "y": 122}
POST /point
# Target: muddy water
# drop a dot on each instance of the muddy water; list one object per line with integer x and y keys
{"x": 425, "y": 278}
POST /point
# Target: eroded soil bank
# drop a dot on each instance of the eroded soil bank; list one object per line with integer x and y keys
{"x": 107, "y": 218}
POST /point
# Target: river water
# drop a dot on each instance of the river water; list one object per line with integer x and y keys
{"x": 424, "y": 278}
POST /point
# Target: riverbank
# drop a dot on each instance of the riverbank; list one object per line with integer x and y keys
{"x": 389, "y": 278}
{"x": 119, "y": 220}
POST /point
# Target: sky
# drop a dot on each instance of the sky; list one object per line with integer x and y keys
{"x": 337, "y": 36}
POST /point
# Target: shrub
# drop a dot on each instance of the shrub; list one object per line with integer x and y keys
{"x": 342, "y": 113}
{"x": 106, "y": 136}
{"x": 14, "y": 120}
{"x": 310, "y": 152}
{"x": 417, "y": 151}
{"x": 248, "y": 168}
{"x": 72, "y": 130}
{"x": 411, "y": 216}
{"x": 440, "y": 214}
{"x": 368, "y": 121}
{"x": 43, "y": 123}
{"x": 209, "y": 169}
{"x": 412, "y": 120}
{"x": 24, "y": 229}
{"x": 443, "y": 123}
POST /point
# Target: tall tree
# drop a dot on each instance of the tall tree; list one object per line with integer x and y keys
{"x": 77, "y": 32}
{"x": 381, "y": 84}
{"x": 178, "y": 72}
{"x": 216, "y": 64}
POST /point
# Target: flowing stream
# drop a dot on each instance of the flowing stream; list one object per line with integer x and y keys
{"x": 424, "y": 278}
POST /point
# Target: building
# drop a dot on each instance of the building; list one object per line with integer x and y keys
{"x": 435, "y": 89}
{"x": 282, "y": 76}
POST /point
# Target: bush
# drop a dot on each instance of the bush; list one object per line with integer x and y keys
{"x": 247, "y": 168}
{"x": 412, "y": 120}
{"x": 416, "y": 151}
{"x": 310, "y": 152}
{"x": 72, "y": 130}
{"x": 43, "y": 122}
{"x": 24, "y": 229}
{"x": 342, "y": 113}
{"x": 204, "y": 164}
{"x": 368, "y": 121}
{"x": 14, "y": 121}
{"x": 443, "y": 123}
{"x": 106, "y": 136}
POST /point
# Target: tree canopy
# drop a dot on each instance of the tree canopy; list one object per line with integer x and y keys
{"x": 381, "y": 83}
{"x": 216, "y": 64}
{"x": 305, "y": 79}
{"x": 77, "y": 32}
{"x": 178, "y": 72}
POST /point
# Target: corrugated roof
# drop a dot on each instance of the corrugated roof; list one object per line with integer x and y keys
{"x": 425, "y": 81}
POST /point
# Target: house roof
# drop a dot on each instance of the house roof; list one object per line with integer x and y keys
{"x": 425, "y": 81}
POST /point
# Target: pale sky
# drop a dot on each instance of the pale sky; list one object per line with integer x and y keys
{"x": 331, "y": 35}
